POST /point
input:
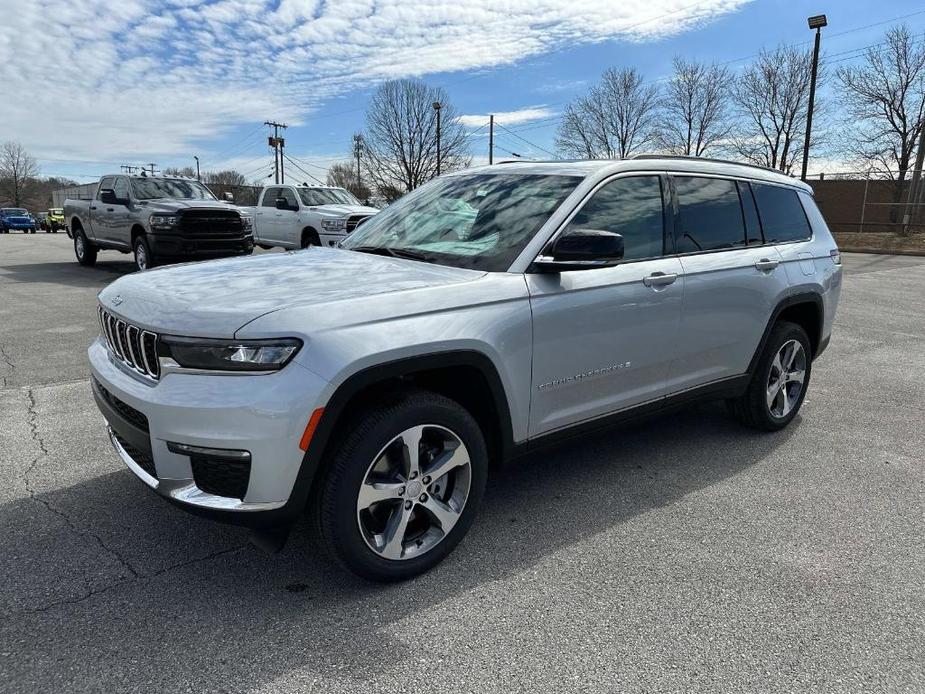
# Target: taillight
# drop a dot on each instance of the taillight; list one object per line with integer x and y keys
{"x": 836, "y": 256}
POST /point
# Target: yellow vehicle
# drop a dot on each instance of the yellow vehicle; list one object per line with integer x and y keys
{"x": 54, "y": 220}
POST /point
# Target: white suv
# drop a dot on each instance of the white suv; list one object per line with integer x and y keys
{"x": 488, "y": 312}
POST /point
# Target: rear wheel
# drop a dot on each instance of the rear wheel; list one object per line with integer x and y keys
{"x": 778, "y": 386}
{"x": 144, "y": 259}
{"x": 83, "y": 249}
{"x": 403, "y": 486}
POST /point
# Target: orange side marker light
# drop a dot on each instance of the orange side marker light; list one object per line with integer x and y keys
{"x": 310, "y": 428}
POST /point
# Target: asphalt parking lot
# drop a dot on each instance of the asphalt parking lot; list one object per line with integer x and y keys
{"x": 685, "y": 554}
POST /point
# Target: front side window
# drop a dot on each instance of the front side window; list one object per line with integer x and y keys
{"x": 709, "y": 215}
{"x": 269, "y": 197}
{"x": 326, "y": 196}
{"x": 631, "y": 207}
{"x": 120, "y": 188}
{"x": 782, "y": 215}
{"x": 287, "y": 195}
{"x": 174, "y": 188}
{"x": 105, "y": 184}
{"x": 481, "y": 221}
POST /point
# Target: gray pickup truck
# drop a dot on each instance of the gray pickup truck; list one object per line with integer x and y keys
{"x": 158, "y": 219}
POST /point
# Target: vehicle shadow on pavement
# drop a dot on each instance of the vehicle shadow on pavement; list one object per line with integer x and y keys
{"x": 185, "y": 604}
{"x": 69, "y": 273}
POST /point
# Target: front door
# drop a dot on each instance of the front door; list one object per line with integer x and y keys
{"x": 603, "y": 339}
{"x": 265, "y": 217}
{"x": 287, "y": 221}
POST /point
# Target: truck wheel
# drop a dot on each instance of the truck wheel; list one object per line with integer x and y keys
{"x": 310, "y": 238}
{"x": 403, "y": 487}
{"x": 144, "y": 258}
{"x": 83, "y": 249}
{"x": 779, "y": 384}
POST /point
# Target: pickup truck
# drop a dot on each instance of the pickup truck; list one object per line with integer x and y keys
{"x": 158, "y": 219}
{"x": 291, "y": 216}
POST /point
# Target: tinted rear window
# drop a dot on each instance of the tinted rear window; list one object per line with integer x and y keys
{"x": 782, "y": 216}
{"x": 709, "y": 215}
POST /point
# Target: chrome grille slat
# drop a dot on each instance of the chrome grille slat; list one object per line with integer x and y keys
{"x": 134, "y": 347}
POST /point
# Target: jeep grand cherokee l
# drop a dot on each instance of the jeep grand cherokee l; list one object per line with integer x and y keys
{"x": 489, "y": 311}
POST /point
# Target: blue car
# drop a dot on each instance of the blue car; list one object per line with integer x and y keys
{"x": 16, "y": 218}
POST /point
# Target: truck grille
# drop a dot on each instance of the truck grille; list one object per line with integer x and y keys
{"x": 356, "y": 220}
{"x": 211, "y": 224}
{"x": 134, "y": 347}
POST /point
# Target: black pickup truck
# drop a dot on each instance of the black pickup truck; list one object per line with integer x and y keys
{"x": 157, "y": 218}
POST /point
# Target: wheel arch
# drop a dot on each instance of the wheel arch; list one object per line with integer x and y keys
{"x": 807, "y": 310}
{"x": 466, "y": 376}
{"x": 137, "y": 230}
{"x": 307, "y": 230}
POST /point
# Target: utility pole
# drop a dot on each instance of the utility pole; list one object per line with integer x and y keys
{"x": 437, "y": 107}
{"x": 277, "y": 143}
{"x": 151, "y": 166}
{"x": 816, "y": 22}
{"x": 914, "y": 193}
{"x": 129, "y": 169}
{"x": 357, "y": 148}
{"x": 198, "y": 177}
{"x": 491, "y": 139}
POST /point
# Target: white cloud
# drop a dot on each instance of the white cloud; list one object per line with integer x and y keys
{"x": 524, "y": 115}
{"x": 142, "y": 79}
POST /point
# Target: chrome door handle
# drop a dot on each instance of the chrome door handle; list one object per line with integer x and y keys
{"x": 659, "y": 279}
{"x": 766, "y": 264}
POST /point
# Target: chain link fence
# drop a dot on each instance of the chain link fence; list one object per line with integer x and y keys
{"x": 869, "y": 202}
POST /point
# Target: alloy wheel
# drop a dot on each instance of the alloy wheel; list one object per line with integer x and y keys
{"x": 414, "y": 492}
{"x": 141, "y": 257}
{"x": 79, "y": 246}
{"x": 785, "y": 381}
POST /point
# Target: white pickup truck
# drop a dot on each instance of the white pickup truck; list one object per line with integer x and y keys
{"x": 292, "y": 216}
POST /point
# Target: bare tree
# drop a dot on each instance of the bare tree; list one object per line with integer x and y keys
{"x": 187, "y": 171}
{"x": 18, "y": 171}
{"x": 885, "y": 99}
{"x": 401, "y": 135}
{"x": 224, "y": 178}
{"x": 616, "y": 119}
{"x": 344, "y": 175}
{"x": 772, "y": 95}
{"x": 695, "y": 109}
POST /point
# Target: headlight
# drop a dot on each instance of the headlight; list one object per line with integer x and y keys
{"x": 231, "y": 355}
{"x": 246, "y": 223}
{"x": 333, "y": 224}
{"x": 163, "y": 221}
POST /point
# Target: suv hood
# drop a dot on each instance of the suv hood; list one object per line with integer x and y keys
{"x": 217, "y": 298}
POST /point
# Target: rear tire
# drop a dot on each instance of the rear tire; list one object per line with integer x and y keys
{"x": 83, "y": 249}
{"x": 425, "y": 515}
{"x": 779, "y": 383}
{"x": 144, "y": 258}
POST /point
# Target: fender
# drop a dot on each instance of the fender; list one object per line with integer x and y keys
{"x": 359, "y": 381}
{"x": 788, "y": 301}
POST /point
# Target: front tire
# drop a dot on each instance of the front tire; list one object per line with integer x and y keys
{"x": 144, "y": 258}
{"x": 403, "y": 486}
{"x": 778, "y": 386}
{"x": 310, "y": 238}
{"x": 83, "y": 249}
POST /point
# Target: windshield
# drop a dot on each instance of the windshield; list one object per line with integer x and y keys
{"x": 14, "y": 211}
{"x": 326, "y": 196}
{"x": 176, "y": 188}
{"x": 479, "y": 221}
{"x": 56, "y": 210}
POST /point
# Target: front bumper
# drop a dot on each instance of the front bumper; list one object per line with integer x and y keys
{"x": 263, "y": 414}
{"x": 177, "y": 245}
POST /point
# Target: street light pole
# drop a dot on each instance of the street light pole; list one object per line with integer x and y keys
{"x": 198, "y": 177}
{"x": 816, "y": 22}
{"x": 437, "y": 107}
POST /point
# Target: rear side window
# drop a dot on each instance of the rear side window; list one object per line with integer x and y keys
{"x": 782, "y": 215}
{"x": 709, "y": 215}
{"x": 631, "y": 207}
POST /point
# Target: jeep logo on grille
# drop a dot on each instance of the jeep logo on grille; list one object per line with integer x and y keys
{"x": 116, "y": 300}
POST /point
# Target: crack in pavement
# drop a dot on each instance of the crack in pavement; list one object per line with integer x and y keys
{"x": 9, "y": 362}
{"x": 136, "y": 575}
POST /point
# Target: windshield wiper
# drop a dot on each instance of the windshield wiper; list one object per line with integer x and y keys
{"x": 391, "y": 252}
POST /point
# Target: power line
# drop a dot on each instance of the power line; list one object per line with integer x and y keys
{"x": 320, "y": 182}
{"x": 523, "y": 139}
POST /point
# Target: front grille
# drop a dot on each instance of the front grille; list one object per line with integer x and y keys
{"x": 127, "y": 411}
{"x": 356, "y": 220}
{"x": 134, "y": 347}
{"x": 142, "y": 459}
{"x": 222, "y": 477}
{"x": 211, "y": 224}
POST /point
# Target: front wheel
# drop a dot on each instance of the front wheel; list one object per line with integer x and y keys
{"x": 83, "y": 249}
{"x": 778, "y": 386}
{"x": 403, "y": 486}
{"x": 144, "y": 259}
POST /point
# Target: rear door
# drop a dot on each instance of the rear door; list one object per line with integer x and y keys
{"x": 732, "y": 281}
{"x": 604, "y": 338}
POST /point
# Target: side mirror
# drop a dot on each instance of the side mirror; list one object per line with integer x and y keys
{"x": 283, "y": 204}
{"x": 108, "y": 196}
{"x": 582, "y": 249}
{"x": 229, "y": 196}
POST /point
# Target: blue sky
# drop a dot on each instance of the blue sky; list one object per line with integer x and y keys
{"x": 134, "y": 82}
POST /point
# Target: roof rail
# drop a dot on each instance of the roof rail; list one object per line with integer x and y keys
{"x": 710, "y": 159}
